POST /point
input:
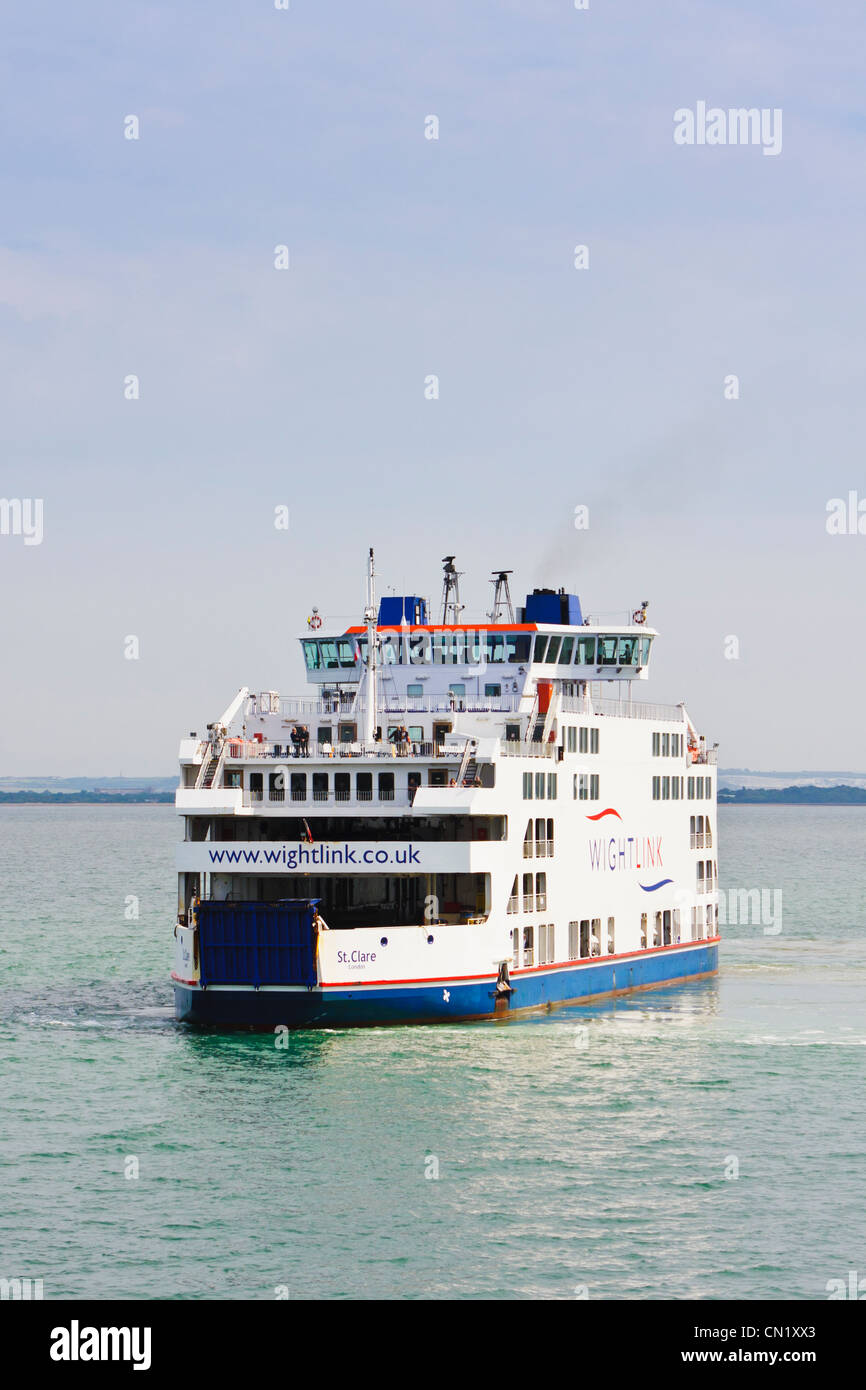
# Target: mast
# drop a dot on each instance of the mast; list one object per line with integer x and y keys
{"x": 370, "y": 620}
{"x": 501, "y": 597}
{"x": 451, "y": 591}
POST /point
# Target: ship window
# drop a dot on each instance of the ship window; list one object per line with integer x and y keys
{"x": 342, "y": 786}
{"x": 320, "y": 786}
{"x": 553, "y": 649}
{"x": 628, "y": 651}
{"x": 541, "y": 892}
{"x": 657, "y": 745}
{"x": 416, "y": 733}
{"x": 593, "y": 740}
{"x": 550, "y": 839}
{"x": 657, "y": 930}
{"x": 528, "y": 952}
{"x": 513, "y": 901}
{"x": 610, "y": 935}
{"x": 540, "y": 838}
{"x": 346, "y": 651}
{"x": 593, "y": 786}
{"x": 298, "y": 786}
{"x": 595, "y": 937}
{"x": 572, "y": 738}
{"x": 389, "y": 649}
{"x": 528, "y": 842}
{"x": 551, "y": 786}
{"x": 584, "y": 937}
{"x": 515, "y": 947}
{"x": 584, "y": 740}
{"x": 528, "y": 896}
{"x": 582, "y": 782}
{"x": 527, "y": 786}
{"x": 573, "y": 940}
{"x": 330, "y": 660}
{"x": 233, "y": 779}
{"x": 386, "y": 786}
{"x": 585, "y": 654}
{"x": 512, "y": 733}
{"x": 414, "y": 692}
{"x": 666, "y": 745}
{"x": 565, "y": 651}
{"x": 607, "y": 651}
{"x": 691, "y": 785}
{"x": 657, "y": 788}
{"x": 700, "y": 883}
{"x": 312, "y": 656}
{"x": 364, "y": 786}
{"x": 643, "y": 930}
{"x": 540, "y": 648}
{"x": 666, "y": 789}
{"x": 420, "y": 648}
{"x": 348, "y": 733}
{"x": 675, "y": 788}
{"x": 255, "y": 786}
{"x": 323, "y": 733}
{"x": 645, "y": 650}
{"x": 666, "y": 919}
{"x": 539, "y": 786}
{"x": 677, "y": 924}
{"x": 493, "y": 692}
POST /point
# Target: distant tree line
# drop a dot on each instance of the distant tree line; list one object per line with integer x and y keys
{"x": 793, "y": 796}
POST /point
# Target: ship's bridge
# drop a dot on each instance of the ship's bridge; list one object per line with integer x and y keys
{"x": 488, "y": 660}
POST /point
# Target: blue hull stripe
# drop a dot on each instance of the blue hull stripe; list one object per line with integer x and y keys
{"x": 441, "y": 1003}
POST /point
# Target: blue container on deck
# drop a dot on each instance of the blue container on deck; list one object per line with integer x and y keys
{"x": 392, "y": 611}
{"x": 549, "y": 606}
{"x": 251, "y": 943}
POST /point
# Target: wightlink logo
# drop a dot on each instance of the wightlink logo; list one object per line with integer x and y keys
{"x": 76, "y": 1343}
{"x": 620, "y": 853}
{"x": 740, "y": 125}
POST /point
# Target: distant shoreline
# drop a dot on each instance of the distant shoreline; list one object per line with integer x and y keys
{"x": 86, "y": 798}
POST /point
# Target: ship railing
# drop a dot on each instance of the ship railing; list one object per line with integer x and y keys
{"x": 347, "y": 708}
{"x": 523, "y": 748}
{"x": 243, "y": 750}
{"x": 309, "y": 797}
{"x": 622, "y": 709}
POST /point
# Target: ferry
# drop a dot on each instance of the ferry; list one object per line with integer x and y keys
{"x": 461, "y": 821}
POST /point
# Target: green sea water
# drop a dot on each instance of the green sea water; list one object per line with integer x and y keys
{"x": 704, "y": 1141}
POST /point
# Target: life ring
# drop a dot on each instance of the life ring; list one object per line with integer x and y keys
{"x": 639, "y": 615}
{"x": 314, "y": 622}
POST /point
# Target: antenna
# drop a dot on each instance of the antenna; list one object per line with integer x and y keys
{"x": 451, "y": 591}
{"x": 370, "y": 620}
{"x": 501, "y": 596}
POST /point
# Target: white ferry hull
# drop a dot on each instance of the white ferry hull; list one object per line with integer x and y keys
{"x": 446, "y": 1000}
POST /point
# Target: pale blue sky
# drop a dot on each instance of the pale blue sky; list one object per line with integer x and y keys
{"x": 411, "y": 257}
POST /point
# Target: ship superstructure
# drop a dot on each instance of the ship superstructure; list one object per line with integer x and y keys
{"x": 462, "y": 821}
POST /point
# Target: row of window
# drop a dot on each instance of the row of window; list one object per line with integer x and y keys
{"x": 668, "y": 788}
{"x": 539, "y": 785}
{"x": 534, "y": 894}
{"x": 538, "y": 839}
{"x": 678, "y": 788}
{"x": 700, "y": 832}
{"x": 668, "y": 745}
{"x": 708, "y": 876}
{"x": 471, "y": 647}
{"x": 585, "y": 938}
{"x": 580, "y": 739}
{"x": 585, "y": 786}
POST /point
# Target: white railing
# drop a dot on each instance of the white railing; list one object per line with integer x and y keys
{"x": 517, "y": 748}
{"x": 622, "y": 709}
{"x": 242, "y": 750}
{"x": 347, "y": 708}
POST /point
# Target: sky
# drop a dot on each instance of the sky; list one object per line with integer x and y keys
{"x": 606, "y": 386}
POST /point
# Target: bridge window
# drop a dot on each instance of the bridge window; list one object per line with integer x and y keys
{"x": 645, "y": 650}
{"x": 312, "y": 656}
{"x": 585, "y": 654}
{"x": 553, "y": 649}
{"x": 540, "y": 648}
{"x": 347, "y": 652}
{"x": 493, "y": 692}
{"x": 628, "y": 651}
{"x": 565, "y": 651}
{"x": 607, "y": 651}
